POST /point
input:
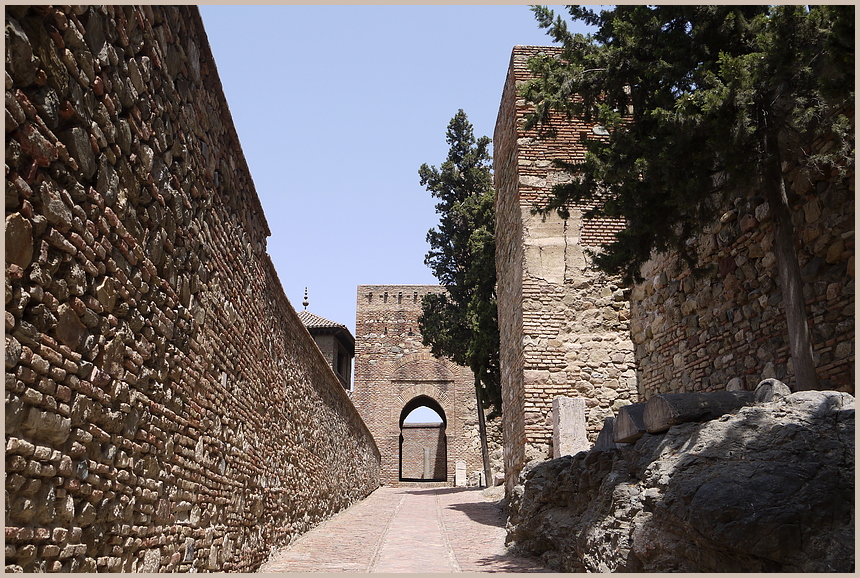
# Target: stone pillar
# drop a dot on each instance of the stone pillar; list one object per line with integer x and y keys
{"x": 568, "y": 426}
{"x": 428, "y": 473}
{"x": 460, "y": 474}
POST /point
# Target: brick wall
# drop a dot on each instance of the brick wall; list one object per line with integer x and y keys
{"x": 418, "y": 439}
{"x": 563, "y": 328}
{"x": 165, "y": 408}
{"x": 332, "y": 351}
{"x": 393, "y": 369}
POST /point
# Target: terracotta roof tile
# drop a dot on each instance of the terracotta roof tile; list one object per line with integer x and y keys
{"x": 312, "y": 321}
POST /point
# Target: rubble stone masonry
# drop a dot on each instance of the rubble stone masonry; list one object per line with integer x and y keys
{"x": 564, "y": 328}
{"x": 567, "y": 331}
{"x": 698, "y": 333}
{"x": 165, "y": 408}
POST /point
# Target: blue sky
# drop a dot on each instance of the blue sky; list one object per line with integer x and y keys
{"x": 336, "y": 107}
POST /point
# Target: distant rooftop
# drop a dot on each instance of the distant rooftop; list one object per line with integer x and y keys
{"x": 312, "y": 321}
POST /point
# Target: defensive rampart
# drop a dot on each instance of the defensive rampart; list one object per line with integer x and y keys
{"x": 564, "y": 328}
{"x": 567, "y": 331}
{"x": 696, "y": 333}
{"x": 166, "y": 410}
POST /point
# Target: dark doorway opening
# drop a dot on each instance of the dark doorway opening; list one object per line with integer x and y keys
{"x": 423, "y": 442}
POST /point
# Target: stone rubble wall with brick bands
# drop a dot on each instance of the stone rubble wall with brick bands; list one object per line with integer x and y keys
{"x": 509, "y": 268}
{"x": 564, "y": 328}
{"x": 166, "y": 410}
{"x": 697, "y": 334}
{"x": 674, "y": 332}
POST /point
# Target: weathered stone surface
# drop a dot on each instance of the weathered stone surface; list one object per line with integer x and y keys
{"x": 70, "y": 330}
{"x": 19, "y": 54}
{"x": 564, "y": 329}
{"x": 34, "y": 144}
{"x": 629, "y": 425}
{"x": 58, "y": 213}
{"x": 770, "y": 390}
{"x": 568, "y": 426}
{"x": 605, "y": 439}
{"x": 13, "y": 351}
{"x": 46, "y": 426}
{"x": 148, "y": 403}
{"x": 78, "y": 144}
{"x": 665, "y": 410}
{"x": 735, "y": 384}
{"x": 737, "y": 328}
{"x": 19, "y": 240}
{"x": 768, "y": 489}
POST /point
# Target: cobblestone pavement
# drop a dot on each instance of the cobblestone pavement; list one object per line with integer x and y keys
{"x": 407, "y": 529}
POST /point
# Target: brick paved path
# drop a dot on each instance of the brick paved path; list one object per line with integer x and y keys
{"x": 407, "y": 530}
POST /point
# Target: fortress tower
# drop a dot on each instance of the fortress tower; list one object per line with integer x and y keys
{"x": 564, "y": 329}
{"x": 395, "y": 374}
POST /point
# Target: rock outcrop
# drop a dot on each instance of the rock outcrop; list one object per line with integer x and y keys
{"x": 769, "y": 488}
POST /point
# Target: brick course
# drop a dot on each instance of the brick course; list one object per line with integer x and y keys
{"x": 166, "y": 410}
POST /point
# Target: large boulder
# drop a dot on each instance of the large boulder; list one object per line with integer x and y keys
{"x": 769, "y": 488}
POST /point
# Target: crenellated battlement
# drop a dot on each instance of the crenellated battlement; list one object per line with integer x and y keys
{"x": 394, "y": 296}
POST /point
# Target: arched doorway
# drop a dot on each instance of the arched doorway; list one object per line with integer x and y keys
{"x": 423, "y": 451}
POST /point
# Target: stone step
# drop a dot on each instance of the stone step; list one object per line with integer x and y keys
{"x": 415, "y": 484}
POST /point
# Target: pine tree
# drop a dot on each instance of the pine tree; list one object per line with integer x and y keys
{"x": 701, "y": 103}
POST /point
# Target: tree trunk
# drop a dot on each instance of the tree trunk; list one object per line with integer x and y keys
{"x": 629, "y": 426}
{"x": 788, "y": 268}
{"x": 482, "y": 430}
{"x": 664, "y": 411}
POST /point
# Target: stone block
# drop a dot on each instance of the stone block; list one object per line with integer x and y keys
{"x": 604, "y": 438}
{"x": 569, "y": 435}
{"x": 460, "y": 473}
{"x": 19, "y": 240}
{"x": 46, "y": 426}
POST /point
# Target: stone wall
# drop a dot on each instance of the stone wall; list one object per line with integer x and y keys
{"x": 563, "y": 327}
{"x": 395, "y": 372}
{"x": 567, "y": 331}
{"x": 697, "y": 334}
{"x": 165, "y": 408}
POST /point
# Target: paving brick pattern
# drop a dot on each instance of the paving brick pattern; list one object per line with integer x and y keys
{"x": 404, "y": 530}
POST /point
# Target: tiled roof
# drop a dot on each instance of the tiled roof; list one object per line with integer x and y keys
{"x": 312, "y": 321}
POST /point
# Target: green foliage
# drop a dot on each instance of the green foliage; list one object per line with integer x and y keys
{"x": 462, "y": 325}
{"x": 691, "y": 96}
